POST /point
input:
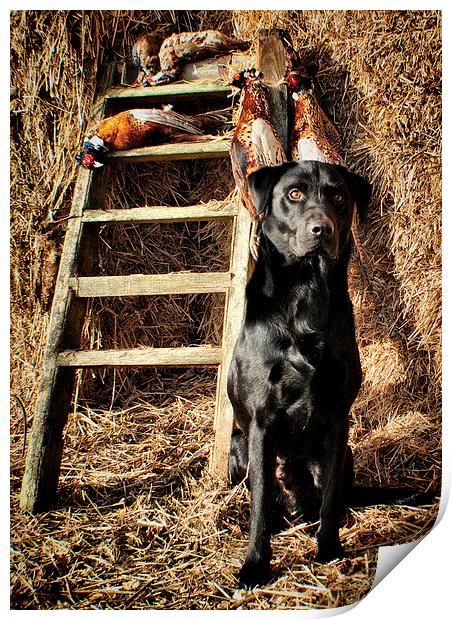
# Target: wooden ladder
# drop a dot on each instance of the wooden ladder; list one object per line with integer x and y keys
{"x": 75, "y": 283}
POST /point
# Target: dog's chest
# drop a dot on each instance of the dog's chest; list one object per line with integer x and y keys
{"x": 307, "y": 381}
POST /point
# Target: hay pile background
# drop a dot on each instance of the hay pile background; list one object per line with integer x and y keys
{"x": 140, "y": 522}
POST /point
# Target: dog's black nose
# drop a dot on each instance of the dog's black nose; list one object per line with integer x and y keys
{"x": 321, "y": 229}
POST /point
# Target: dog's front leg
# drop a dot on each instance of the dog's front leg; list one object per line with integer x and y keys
{"x": 256, "y": 567}
{"x": 332, "y": 469}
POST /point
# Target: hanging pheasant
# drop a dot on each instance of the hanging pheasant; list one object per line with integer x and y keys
{"x": 313, "y": 136}
{"x": 256, "y": 142}
{"x": 187, "y": 47}
{"x": 135, "y": 128}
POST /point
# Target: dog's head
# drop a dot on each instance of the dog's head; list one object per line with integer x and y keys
{"x": 307, "y": 207}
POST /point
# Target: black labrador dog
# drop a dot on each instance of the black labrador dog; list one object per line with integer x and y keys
{"x": 296, "y": 371}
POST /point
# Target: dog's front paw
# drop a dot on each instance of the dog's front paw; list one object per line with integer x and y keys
{"x": 253, "y": 573}
{"x": 329, "y": 552}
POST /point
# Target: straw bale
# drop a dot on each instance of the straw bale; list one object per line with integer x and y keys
{"x": 140, "y": 521}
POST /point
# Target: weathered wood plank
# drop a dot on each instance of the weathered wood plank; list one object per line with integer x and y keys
{"x": 145, "y": 356}
{"x": 233, "y": 315}
{"x": 271, "y": 60}
{"x": 180, "y": 150}
{"x": 170, "y": 92}
{"x": 147, "y": 215}
{"x": 45, "y": 441}
{"x": 157, "y": 284}
{"x": 45, "y": 446}
{"x": 271, "y": 57}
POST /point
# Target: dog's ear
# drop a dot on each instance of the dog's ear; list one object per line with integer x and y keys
{"x": 361, "y": 189}
{"x": 261, "y": 184}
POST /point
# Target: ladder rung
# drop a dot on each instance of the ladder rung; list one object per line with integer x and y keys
{"x": 146, "y": 356}
{"x": 166, "y": 92}
{"x": 156, "y": 284}
{"x": 180, "y": 150}
{"x": 141, "y": 215}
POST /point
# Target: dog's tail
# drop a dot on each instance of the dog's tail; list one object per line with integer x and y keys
{"x": 359, "y": 497}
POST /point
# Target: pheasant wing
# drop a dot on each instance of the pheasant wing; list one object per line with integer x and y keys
{"x": 239, "y": 159}
{"x": 169, "y": 118}
{"x": 332, "y": 135}
{"x": 267, "y": 147}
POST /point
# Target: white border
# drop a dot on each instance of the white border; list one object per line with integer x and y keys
{"x": 419, "y": 585}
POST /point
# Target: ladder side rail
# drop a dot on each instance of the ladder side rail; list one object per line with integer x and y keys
{"x": 45, "y": 447}
{"x": 270, "y": 60}
{"x": 233, "y": 315}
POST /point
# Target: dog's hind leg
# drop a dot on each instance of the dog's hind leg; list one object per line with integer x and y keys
{"x": 332, "y": 470}
{"x": 238, "y": 457}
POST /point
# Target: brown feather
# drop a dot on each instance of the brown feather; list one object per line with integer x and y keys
{"x": 145, "y": 54}
{"x": 256, "y": 142}
{"x": 134, "y": 128}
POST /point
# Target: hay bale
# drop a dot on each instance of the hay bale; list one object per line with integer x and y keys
{"x": 141, "y": 524}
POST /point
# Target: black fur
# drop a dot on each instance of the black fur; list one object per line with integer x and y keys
{"x": 296, "y": 371}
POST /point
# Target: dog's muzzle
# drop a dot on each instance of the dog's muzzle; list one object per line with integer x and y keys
{"x": 318, "y": 236}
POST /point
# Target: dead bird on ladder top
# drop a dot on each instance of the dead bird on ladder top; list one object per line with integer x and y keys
{"x": 144, "y": 127}
{"x": 177, "y": 50}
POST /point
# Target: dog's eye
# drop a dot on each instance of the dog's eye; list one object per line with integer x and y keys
{"x": 338, "y": 198}
{"x": 296, "y": 194}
